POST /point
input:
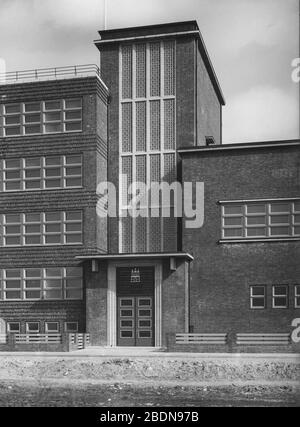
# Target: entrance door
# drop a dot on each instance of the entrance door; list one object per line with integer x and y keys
{"x": 135, "y": 322}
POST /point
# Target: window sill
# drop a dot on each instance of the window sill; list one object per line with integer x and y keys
{"x": 260, "y": 240}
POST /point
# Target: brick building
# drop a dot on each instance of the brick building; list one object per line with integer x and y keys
{"x": 152, "y": 113}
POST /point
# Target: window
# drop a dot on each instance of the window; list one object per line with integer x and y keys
{"x": 280, "y": 296}
{"x": 148, "y": 105}
{"x": 297, "y": 296}
{"x": 13, "y": 327}
{"x": 46, "y": 228}
{"x": 12, "y": 285}
{"x": 42, "y": 173}
{"x": 261, "y": 220}
{"x": 32, "y": 327}
{"x": 33, "y": 284}
{"x": 258, "y": 297}
{"x": 34, "y": 118}
{"x": 71, "y": 327}
{"x": 51, "y": 327}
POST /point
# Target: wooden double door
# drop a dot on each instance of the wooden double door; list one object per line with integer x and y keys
{"x": 135, "y": 308}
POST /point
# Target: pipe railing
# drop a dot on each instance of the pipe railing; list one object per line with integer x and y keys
{"x": 43, "y": 74}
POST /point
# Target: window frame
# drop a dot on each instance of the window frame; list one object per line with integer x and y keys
{"x": 269, "y": 214}
{"x": 11, "y": 323}
{"x": 253, "y": 297}
{"x": 297, "y": 295}
{"x": 23, "y": 223}
{"x": 52, "y": 332}
{"x": 33, "y": 322}
{"x": 274, "y": 296}
{"x": 22, "y": 124}
{"x": 43, "y": 289}
{"x": 71, "y": 331}
{"x": 42, "y": 170}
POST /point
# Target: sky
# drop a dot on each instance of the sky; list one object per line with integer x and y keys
{"x": 251, "y": 44}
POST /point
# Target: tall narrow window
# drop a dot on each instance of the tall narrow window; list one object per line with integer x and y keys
{"x": 147, "y": 142}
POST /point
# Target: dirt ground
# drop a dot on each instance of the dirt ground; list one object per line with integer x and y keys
{"x": 159, "y": 369}
{"x": 143, "y": 382}
{"x": 32, "y": 394}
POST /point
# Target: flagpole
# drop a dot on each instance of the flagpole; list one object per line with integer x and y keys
{"x": 105, "y": 14}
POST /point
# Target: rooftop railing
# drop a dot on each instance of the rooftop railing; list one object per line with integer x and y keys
{"x": 44, "y": 74}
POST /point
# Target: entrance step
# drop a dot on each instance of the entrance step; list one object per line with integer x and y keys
{"x": 122, "y": 351}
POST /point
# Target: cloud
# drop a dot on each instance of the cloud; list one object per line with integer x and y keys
{"x": 251, "y": 43}
{"x": 262, "y": 113}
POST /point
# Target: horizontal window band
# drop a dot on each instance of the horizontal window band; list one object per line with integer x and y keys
{"x": 262, "y": 240}
{"x": 292, "y": 199}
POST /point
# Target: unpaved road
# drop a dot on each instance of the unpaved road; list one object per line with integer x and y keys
{"x": 150, "y": 382}
{"x": 57, "y": 394}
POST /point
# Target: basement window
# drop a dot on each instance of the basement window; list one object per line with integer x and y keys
{"x": 13, "y": 327}
{"x": 51, "y": 327}
{"x": 32, "y": 327}
{"x": 280, "y": 296}
{"x": 71, "y": 327}
{"x": 258, "y": 297}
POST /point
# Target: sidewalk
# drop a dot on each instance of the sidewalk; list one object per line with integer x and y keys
{"x": 137, "y": 353}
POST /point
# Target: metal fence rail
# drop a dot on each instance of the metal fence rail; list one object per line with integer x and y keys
{"x": 263, "y": 339}
{"x": 3, "y": 338}
{"x": 49, "y": 73}
{"x": 219, "y": 339}
{"x": 38, "y": 338}
{"x": 80, "y": 341}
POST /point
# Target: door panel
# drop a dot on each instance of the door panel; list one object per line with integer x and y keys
{"x": 126, "y": 321}
{"x": 144, "y": 330}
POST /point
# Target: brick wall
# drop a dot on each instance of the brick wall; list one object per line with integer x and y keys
{"x": 209, "y": 109}
{"x": 173, "y": 300}
{"x": 91, "y": 143}
{"x": 222, "y": 274}
{"x": 96, "y": 304}
{"x": 110, "y": 75}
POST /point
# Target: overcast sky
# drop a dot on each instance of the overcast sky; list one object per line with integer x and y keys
{"x": 251, "y": 44}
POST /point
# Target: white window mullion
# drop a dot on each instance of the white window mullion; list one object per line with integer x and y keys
{"x": 162, "y": 134}
{"x": 162, "y": 70}
{"x": 23, "y": 287}
{"x": 120, "y": 150}
{"x": 22, "y": 219}
{"x": 148, "y": 148}
{"x": 148, "y": 177}
{"x": 23, "y": 175}
{"x": 268, "y": 222}
{"x": 134, "y": 150}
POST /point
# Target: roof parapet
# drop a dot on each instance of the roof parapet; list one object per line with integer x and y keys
{"x": 46, "y": 74}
